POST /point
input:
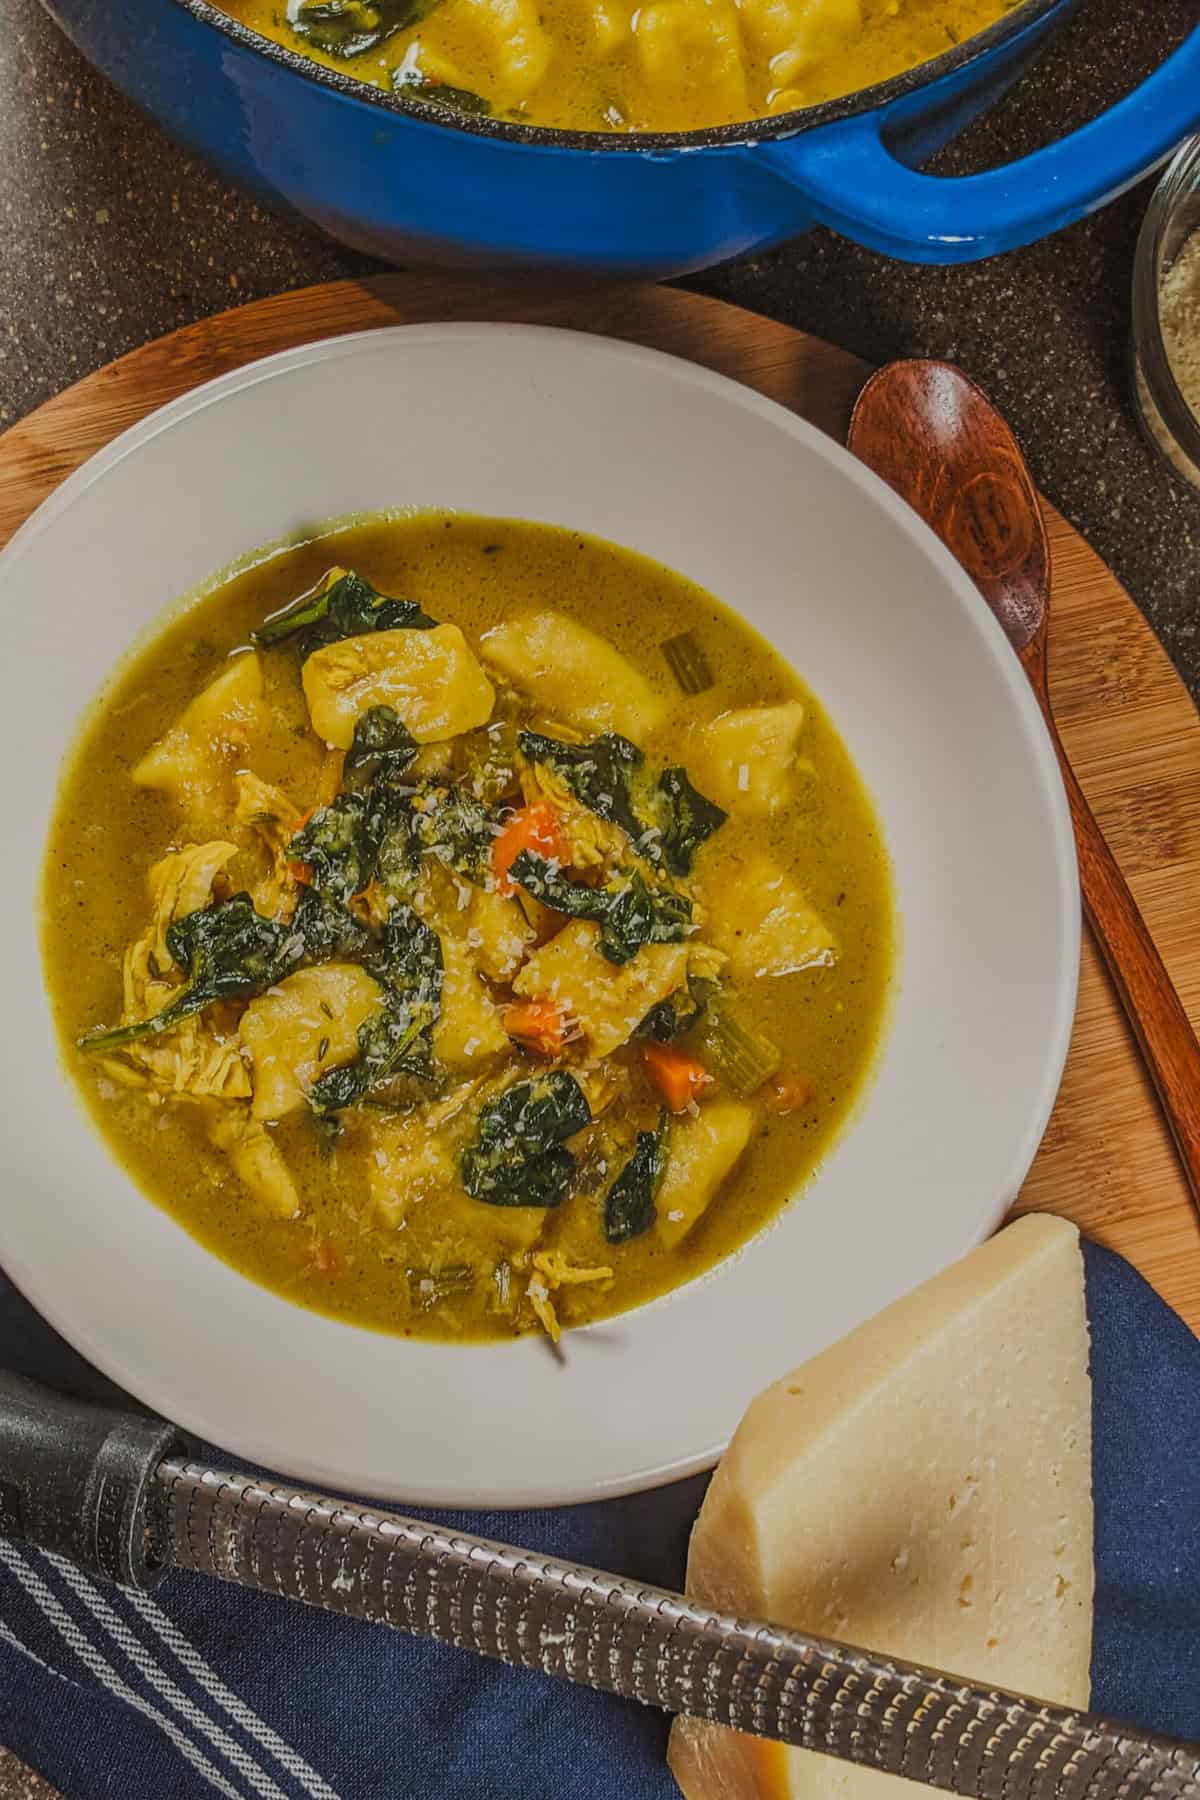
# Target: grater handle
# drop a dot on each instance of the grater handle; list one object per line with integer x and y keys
{"x": 79, "y": 1479}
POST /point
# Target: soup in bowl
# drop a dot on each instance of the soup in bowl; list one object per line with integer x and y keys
{"x": 691, "y": 697}
{"x": 488, "y": 930}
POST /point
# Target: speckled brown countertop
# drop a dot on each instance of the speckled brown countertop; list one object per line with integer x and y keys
{"x": 109, "y": 236}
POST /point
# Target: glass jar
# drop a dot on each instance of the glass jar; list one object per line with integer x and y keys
{"x": 1172, "y": 426}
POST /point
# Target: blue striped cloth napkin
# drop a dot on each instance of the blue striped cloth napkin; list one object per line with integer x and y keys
{"x": 200, "y": 1688}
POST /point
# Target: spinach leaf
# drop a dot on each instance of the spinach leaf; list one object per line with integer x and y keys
{"x": 227, "y": 952}
{"x": 643, "y": 915}
{"x": 518, "y": 1157}
{"x": 328, "y": 930}
{"x": 382, "y": 738}
{"x": 374, "y": 831}
{"x": 530, "y": 1116}
{"x": 347, "y": 606}
{"x": 672, "y": 1016}
{"x": 687, "y": 819}
{"x": 554, "y": 888}
{"x": 399, "y": 861}
{"x": 342, "y": 842}
{"x": 350, "y": 28}
{"x": 398, "y": 1039}
{"x": 440, "y": 93}
{"x": 457, "y": 829}
{"x": 540, "y": 1181}
{"x": 629, "y": 1204}
{"x": 599, "y": 774}
{"x": 630, "y": 913}
{"x": 666, "y": 824}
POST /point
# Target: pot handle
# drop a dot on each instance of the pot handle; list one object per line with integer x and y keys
{"x": 854, "y": 183}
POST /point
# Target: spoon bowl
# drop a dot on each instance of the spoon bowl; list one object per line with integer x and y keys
{"x": 940, "y": 443}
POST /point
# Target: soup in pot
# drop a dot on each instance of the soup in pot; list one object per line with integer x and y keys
{"x": 614, "y": 65}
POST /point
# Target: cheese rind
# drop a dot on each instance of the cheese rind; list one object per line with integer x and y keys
{"x": 923, "y": 1487}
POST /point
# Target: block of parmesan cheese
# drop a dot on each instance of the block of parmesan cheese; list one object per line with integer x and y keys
{"x": 921, "y": 1488}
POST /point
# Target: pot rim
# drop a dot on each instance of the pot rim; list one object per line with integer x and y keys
{"x": 546, "y": 137}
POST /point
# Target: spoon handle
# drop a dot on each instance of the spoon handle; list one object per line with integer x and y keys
{"x": 1146, "y": 991}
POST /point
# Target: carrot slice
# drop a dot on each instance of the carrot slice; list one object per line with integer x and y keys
{"x": 677, "y": 1076}
{"x": 537, "y": 827}
{"x": 788, "y": 1093}
{"x": 324, "y": 1257}
{"x": 539, "y": 1025}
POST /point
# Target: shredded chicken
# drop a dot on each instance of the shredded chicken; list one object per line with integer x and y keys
{"x": 256, "y": 1158}
{"x": 197, "y": 1059}
{"x": 603, "y": 1086}
{"x": 189, "y": 1062}
{"x": 593, "y": 842}
{"x": 551, "y": 1271}
{"x": 561, "y": 1273}
{"x": 538, "y": 1296}
{"x": 275, "y": 819}
{"x": 181, "y": 883}
{"x": 705, "y": 962}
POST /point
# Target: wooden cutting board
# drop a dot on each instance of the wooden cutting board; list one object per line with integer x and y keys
{"x": 1128, "y": 722}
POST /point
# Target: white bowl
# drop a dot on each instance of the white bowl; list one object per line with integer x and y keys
{"x": 783, "y": 525}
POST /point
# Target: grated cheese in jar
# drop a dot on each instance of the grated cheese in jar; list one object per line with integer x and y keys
{"x": 1179, "y": 320}
{"x": 1179, "y": 335}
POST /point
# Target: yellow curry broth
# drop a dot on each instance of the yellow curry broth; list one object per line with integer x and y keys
{"x": 341, "y": 1255}
{"x": 667, "y": 65}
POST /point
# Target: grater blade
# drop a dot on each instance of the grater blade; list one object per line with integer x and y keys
{"x": 602, "y": 1631}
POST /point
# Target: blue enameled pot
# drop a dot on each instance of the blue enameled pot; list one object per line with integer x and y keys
{"x": 387, "y": 175}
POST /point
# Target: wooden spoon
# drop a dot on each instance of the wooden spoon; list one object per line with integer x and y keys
{"x": 940, "y": 443}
